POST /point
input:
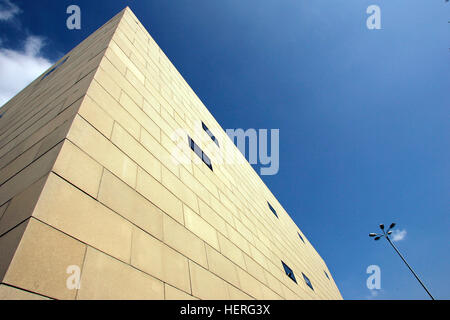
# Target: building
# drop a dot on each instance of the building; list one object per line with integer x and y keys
{"x": 92, "y": 205}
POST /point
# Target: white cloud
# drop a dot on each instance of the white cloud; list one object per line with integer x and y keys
{"x": 19, "y": 67}
{"x": 398, "y": 235}
{"x": 8, "y": 10}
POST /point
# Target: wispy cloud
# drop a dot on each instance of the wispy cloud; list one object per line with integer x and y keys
{"x": 8, "y": 10}
{"x": 398, "y": 235}
{"x": 19, "y": 67}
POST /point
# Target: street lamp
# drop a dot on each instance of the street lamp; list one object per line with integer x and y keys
{"x": 386, "y": 235}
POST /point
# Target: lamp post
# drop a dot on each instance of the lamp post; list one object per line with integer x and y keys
{"x": 386, "y": 235}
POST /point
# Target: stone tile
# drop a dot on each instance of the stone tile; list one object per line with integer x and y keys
{"x": 96, "y": 116}
{"x": 206, "y": 285}
{"x": 136, "y": 151}
{"x": 200, "y": 227}
{"x": 159, "y": 195}
{"x": 157, "y": 150}
{"x": 184, "y": 241}
{"x": 172, "y": 293}
{"x": 231, "y": 251}
{"x": 26, "y": 127}
{"x": 171, "y": 182}
{"x": 21, "y": 206}
{"x": 115, "y": 62}
{"x": 195, "y": 185}
{"x": 221, "y": 266}
{"x": 18, "y": 163}
{"x": 105, "y": 278}
{"x": 2, "y": 211}
{"x": 250, "y": 285}
{"x": 117, "y": 70}
{"x": 11, "y": 293}
{"x": 212, "y": 218}
{"x": 108, "y": 83}
{"x": 92, "y": 142}
{"x": 238, "y": 239}
{"x": 118, "y": 50}
{"x": 41, "y": 261}
{"x": 289, "y": 294}
{"x": 274, "y": 284}
{"x": 124, "y": 200}
{"x": 29, "y": 175}
{"x": 46, "y": 137}
{"x": 244, "y": 231}
{"x": 139, "y": 87}
{"x": 68, "y": 209}
{"x": 236, "y": 294}
{"x": 113, "y": 108}
{"x": 255, "y": 269}
{"x": 268, "y": 294}
{"x": 80, "y": 169}
{"x": 136, "y": 111}
{"x": 8, "y": 245}
{"x": 157, "y": 259}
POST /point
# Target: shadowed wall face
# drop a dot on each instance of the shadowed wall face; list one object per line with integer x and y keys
{"x": 33, "y": 128}
{"x": 94, "y": 204}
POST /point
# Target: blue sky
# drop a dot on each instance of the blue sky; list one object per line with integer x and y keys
{"x": 363, "y": 114}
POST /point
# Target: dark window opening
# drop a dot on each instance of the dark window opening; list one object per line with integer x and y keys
{"x": 301, "y": 237}
{"x": 207, "y": 161}
{"x": 272, "y": 209}
{"x": 54, "y": 68}
{"x": 307, "y": 281}
{"x": 326, "y": 274}
{"x": 213, "y": 138}
{"x": 196, "y": 148}
{"x": 199, "y": 152}
{"x": 289, "y": 272}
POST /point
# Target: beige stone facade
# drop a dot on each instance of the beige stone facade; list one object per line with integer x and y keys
{"x": 88, "y": 179}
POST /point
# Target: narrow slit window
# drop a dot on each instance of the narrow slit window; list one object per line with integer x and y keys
{"x": 207, "y": 161}
{"x": 326, "y": 274}
{"x": 213, "y": 138}
{"x": 54, "y": 68}
{"x": 289, "y": 272}
{"x": 199, "y": 152}
{"x": 196, "y": 148}
{"x": 300, "y": 236}
{"x": 307, "y": 281}
{"x": 272, "y": 209}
